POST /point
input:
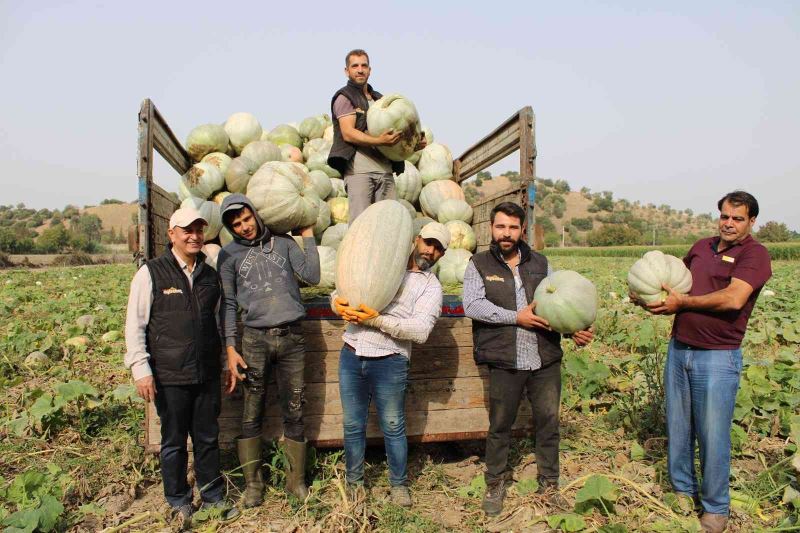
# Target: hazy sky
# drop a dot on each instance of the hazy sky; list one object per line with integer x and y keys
{"x": 677, "y": 102}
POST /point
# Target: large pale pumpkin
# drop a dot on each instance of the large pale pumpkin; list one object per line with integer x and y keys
{"x": 435, "y": 163}
{"x": 259, "y": 152}
{"x": 398, "y": 113}
{"x": 332, "y": 237}
{"x": 420, "y": 223}
{"x": 219, "y": 160}
{"x": 285, "y": 134}
{"x": 291, "y": 153}
{"x": 407, "y": 205}
{"x": 284, "y": 196}
{"x": 242, "y": 129}
{"x": 451, "y": 267}
{"x": 654, "y": 269}
{"x": 567, "y": 300}
{"x": 337, "y": 189}
{"x": 322, "y": 183}
{"x": 408, "y": 184}
{"x": 436, "y": 192}
{"x": 371, "y": 261}
{"x": 461, "y": 235}
{"x": 323, "y": 219}
{"x": 340, "y": 210}
{"x": 202, "y": 180}
{"x": 211, "y": 251}
{"x": 327, "y": 266}
{"x": 454, "y": 209}
{"x": 206, "y": 139}
{"x": 312, "y": 127}
{"x": 239, "y": 172}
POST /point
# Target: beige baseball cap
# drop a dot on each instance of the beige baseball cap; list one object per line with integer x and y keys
{"x": 438, "y": 231}
{"x": 184, "y": 217}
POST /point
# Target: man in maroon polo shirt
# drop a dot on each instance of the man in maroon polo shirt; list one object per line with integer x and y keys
{"x": 704, "y": 359}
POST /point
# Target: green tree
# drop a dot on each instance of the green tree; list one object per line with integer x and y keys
{"x": 614, "y": 235}
{"x": 108, "y": 201}
{"x": 89, "y": 226}
{"x": 53, "y": 240}
{"x": 773, "y": 231}
{"x": 561, "y": 186}
{"x": 484, "y": 175}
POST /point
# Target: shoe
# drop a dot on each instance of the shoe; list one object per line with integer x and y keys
{"x": 356, "y": 491}
{"x": 548, "y": 488}
{"x": 492, "y": 503}
{"x": 250, "y": 459}
{"x": 683, "y": 504}
{"x": 223, "y": 510}
{"x": 183, "y": 516}
{"x": 401, "y": 496}
{"x": 296, "y": 473}
{"x": 713, "y": 523}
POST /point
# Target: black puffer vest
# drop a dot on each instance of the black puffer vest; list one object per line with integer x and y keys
{"x": 182, "y": 336}
{"x": 343, "y": 152}
{"x": 496, "y": 344}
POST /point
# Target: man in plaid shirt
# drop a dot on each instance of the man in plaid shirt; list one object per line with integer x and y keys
{"x": 376, "y": 355}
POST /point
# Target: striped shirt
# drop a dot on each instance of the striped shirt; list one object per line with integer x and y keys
{"x": 478, "y": 307}
{"x": 408, "y": 318}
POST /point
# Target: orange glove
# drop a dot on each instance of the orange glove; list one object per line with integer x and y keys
{"x": 363, "y": 313}
{"x": 342, "y": 307}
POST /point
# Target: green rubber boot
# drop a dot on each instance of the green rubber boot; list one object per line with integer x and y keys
{"x": 250, "y": 459}
{"x": 296, "y": 473}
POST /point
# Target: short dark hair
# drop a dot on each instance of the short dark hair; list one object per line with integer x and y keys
{"x": 737, "y": 198}
{"x": 355, "y": 52}
{"x": 230, "y": 214}
{"x": 509, "y": 209}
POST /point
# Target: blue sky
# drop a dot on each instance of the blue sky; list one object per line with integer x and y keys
{"x": 672, "y": 103}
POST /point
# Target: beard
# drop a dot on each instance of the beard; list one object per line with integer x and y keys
{"x": 511, "y": 251}
{"x": 423, "y": 263}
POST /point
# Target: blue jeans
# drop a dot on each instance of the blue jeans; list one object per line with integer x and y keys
{"x": 384, "y": 379}
{"x": 700, "y": 387}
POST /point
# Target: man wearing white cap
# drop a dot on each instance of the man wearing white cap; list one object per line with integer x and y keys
{"x": 173, "y": 351}
{"x": 376, "y": 356}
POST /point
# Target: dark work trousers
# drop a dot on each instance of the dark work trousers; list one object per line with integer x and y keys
{"x": 505, "y": 392}
{"x": 282, "y": 350}
{"x": 190, "y": 410}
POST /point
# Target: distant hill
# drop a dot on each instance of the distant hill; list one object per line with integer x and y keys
{"x": 596, "y": 218}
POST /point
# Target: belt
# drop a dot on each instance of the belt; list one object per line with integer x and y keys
{"x": 280, "y": 331}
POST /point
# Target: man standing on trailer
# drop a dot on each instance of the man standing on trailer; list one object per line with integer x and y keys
{"x": 367, "y": 172}
{"x": 173, "y": 351}
{"x": 704, "y": 358}
{"x": 518, "y": 346}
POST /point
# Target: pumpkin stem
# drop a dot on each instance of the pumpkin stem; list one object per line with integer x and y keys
{"x": 551, "y": 289}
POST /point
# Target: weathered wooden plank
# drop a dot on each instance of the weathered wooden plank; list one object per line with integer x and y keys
{"x": 495, "y": 146}
{"x": 326, "y": 431}
{"x": 168, "y": 145}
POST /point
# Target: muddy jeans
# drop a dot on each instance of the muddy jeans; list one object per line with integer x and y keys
{"x": 281, "y": 350}
{"x": 363, "y": 190}
{"x": 505, "y": 392}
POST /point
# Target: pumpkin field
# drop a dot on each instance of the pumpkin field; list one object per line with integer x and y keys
{"x": 71, "y": 427}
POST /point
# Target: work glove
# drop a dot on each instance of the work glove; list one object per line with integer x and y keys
{"x": 364, "y": 314}
{"x": 343, "y": 308}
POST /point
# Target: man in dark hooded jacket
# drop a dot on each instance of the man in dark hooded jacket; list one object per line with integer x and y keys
{"x": 258, "y": 271}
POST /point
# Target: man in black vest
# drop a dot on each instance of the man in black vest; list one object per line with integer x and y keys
{"x": 367, "y": 172}
{"x": 173, "y": 351}
{"x": 520, "y": 349}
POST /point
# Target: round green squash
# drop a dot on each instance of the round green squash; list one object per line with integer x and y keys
{"x": 654, "y": 269}
{"x": 567, "y": 300}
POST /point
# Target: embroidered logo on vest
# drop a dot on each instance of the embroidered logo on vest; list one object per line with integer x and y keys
{"x": 172, "y": 290}
{"x": 494, "y": 278}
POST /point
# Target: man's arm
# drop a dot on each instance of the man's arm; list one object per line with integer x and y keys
{"x": 731, "y": 298}
{"x": 136, "y": 358}
{"x": 417, "y": 327}
{"x": 347, "y": 125}
{"x": 305, "y": 262}
{"x": 226, "y": 266}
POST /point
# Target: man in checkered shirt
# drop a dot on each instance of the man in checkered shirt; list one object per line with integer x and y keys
{"x": 518, "y": 346}
{"x": 375, "y": 359}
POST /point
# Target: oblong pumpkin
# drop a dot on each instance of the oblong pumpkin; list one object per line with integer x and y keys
{"x": 567, "y": 300}
{"x": 436, "y": 192}
{"x": 408, "y": 184}
{"x": 371, "y": 260}
{"x": 654, "y": 269}
{"x": 284, "y": 196}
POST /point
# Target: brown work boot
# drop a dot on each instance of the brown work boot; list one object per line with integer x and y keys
{"x": 401, "y": 496}
{"x": 250, "y": 459}
{"x": 713, "y": 523}
{"x": 296, "y": 473}
{"x": 493, "y": 498}
{"x": 548, "y": 488}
